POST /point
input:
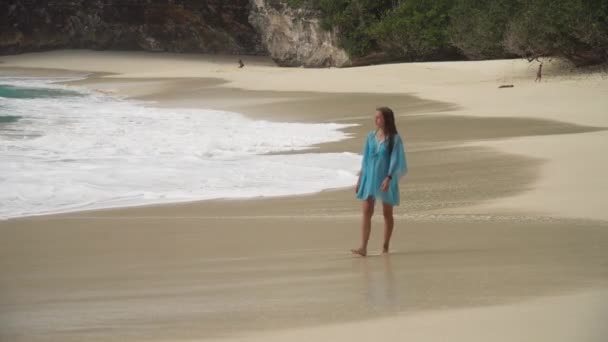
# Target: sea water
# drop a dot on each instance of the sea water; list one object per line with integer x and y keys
{"x": 65, "y": 149}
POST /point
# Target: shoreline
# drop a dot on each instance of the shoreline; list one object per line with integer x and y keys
{"x": 425, "y": 114}
{"x": 470, "y": 85}
{"x": 468, "y": 241}
{"x": 93, "y": 78}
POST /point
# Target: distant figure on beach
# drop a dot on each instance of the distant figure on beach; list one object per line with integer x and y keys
{"x": 383, "y": 165}
{"x": 539, "y": 73}
{"x": 241, "y": 64}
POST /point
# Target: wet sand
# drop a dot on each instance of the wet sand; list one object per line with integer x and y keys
{"x": 279, "y": 268}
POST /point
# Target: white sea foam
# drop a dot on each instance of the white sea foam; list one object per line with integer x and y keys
{"x": 72, "y": 152}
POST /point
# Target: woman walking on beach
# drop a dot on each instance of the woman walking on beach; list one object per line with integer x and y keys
{"x": 383, "y": 164}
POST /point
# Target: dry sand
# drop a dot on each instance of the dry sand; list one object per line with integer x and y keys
{"x": 503, "y": 220}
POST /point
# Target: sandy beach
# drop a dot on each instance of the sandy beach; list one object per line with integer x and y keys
{"x": 502, "y": 234}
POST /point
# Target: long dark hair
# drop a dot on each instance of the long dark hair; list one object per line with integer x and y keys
{"x": 389, "y": 126}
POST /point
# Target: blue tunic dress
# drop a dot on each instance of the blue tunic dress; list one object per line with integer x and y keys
{"x": 377, "y": 164}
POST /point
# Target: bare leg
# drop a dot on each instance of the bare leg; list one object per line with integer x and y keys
{"x": 389, "y": 224}
{"x": 366, "y": 226}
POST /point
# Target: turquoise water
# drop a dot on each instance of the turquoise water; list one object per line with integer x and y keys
{"x": 8, "y": 118}
{"x": 14, "y": 118}
{"x": 13, "y": 92}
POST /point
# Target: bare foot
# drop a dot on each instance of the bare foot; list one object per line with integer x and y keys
{"x": 385, "y": 249}
{"x": 359, "y": 251}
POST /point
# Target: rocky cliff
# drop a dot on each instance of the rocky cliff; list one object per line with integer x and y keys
{"x": 294, "y": 37}
{"x": 210, "y": 26}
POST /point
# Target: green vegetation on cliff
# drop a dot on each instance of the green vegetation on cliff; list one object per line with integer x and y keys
{"x": 417, "y": 30}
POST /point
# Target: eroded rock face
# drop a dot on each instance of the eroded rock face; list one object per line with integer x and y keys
{"x": 294, "y": 37}
{"x": 211, "y": 26}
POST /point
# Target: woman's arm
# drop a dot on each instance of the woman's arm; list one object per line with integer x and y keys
{"x": 363, "y": 161}
{"x": 365, "y": 153}
{"x": 398, "y": 163}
